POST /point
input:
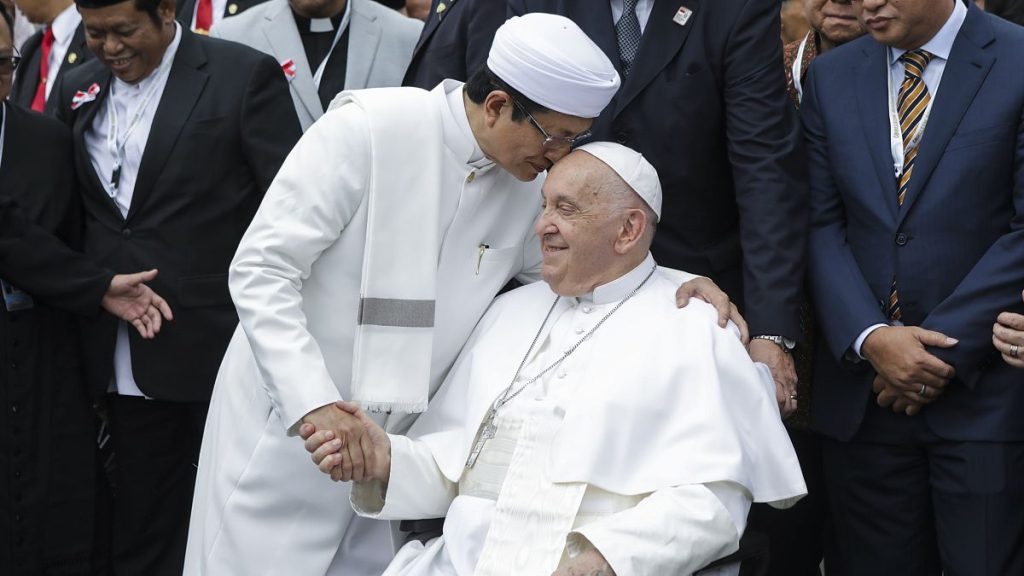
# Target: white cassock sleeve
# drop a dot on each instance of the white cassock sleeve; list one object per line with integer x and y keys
{"x": 673, "y": 531}
{"x": 419, "y": 491}
{"x": 311, "y": 201}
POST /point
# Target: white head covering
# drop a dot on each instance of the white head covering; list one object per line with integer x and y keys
{"x": 632, "y": 167}
{"x": 552, "y": 62}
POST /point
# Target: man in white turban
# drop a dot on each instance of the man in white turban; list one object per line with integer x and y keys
{"x": 386, "y": 234}
{"x": 589, "y": 426}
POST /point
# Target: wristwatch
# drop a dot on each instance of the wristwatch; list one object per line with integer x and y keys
{"x": 786, "y": 344}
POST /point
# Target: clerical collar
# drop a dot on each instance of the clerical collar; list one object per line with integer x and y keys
{"x": 618, "y": 289}
{"x": 319, "y": 25}
{"x": 465, "y": 146}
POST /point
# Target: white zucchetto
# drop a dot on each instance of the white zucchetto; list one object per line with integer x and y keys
{"x": 632, "y": 167}
{"x": 552, "y": 62}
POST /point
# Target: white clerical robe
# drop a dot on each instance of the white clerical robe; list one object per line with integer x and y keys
{"x": 260, "y": 506}
{"x": 648, "y": 442}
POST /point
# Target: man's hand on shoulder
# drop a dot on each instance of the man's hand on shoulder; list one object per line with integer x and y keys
{"x": 587, "y": 563}
{"x": 131, "y": 300}
{"x": 706, "y": 290}
{"x": 347, "y": 445}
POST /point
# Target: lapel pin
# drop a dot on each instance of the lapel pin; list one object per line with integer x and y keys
{"x": 81, "y": 98}
{"x": 72, "y": 58}
{"x": 232, "y": 9}
{"x": 288, "y": 67}
{"x": 682, "y": 16}
{"x": 441, "y": 8}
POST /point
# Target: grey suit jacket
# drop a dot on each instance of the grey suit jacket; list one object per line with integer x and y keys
{"x": 380, "y": 47}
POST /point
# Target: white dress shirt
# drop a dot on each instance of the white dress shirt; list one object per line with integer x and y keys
{"x": 939, "y": 46}
{"x": 127, "y": 98}
{"x": 643, "y": 12}
{"x": 63, "y": 26}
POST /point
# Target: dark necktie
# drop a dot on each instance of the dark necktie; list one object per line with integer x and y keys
{"x": 628, "y": 31}
{"x": 39, "y": 100}
{"x": 911, "y": 104}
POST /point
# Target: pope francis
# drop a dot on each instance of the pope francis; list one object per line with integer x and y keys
{"x": 589, "y": 426}
{"x": 389, "y": 229}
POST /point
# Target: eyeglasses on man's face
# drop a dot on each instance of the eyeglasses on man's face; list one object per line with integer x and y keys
{"x": 551, "y": 143}
{"x": 9, "y": 62}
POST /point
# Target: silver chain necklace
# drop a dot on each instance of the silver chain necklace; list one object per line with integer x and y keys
{"x": 488, "y": 428}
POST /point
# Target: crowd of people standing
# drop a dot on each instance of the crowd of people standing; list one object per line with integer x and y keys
{"x": 191, "y": 214}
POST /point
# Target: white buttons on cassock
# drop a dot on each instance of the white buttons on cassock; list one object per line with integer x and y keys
{"x": 580, "y": 330}
{"x": 587, "y": 309}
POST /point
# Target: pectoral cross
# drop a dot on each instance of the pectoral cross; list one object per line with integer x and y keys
{"x": 487, "y": 431}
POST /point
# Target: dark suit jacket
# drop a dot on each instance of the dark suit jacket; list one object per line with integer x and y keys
{"x": 956, "y": 246}
{"x": 183, "y": 10}
{"x": 706, "y": 105}
{"x": 223, "y": 127}
{"x": 30, "y": 256}
{"x": 25, "y": 82}
{"x": 454, "y": 44}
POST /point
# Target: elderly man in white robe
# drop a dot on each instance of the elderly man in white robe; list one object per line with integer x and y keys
{"x": 589, "y": 426}
{"x": 386, "y": 234}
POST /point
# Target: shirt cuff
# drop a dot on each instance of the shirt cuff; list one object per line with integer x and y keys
{"x": 864, "y": 336}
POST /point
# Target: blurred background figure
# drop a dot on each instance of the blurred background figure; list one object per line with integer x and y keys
{"x": 21, "y": 26}
{"x": 200, "y": 15}
{"x": 49, "y": 53}
{"x": 326, "y": 46}
{"x": 794, "y": 21}
{"x": 455, "y": 40}
{"x": 1012, "y": 10}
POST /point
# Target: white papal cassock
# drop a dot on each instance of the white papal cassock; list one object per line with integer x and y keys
{"x": 261, "y": 506}
{"x": 649, "y": 442}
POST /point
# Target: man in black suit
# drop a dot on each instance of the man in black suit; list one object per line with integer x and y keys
{"x": 176, "y": 138}
{"x": 704, "y": 99}
{"x": 455, "y": 40}
{"x": 49, "y": 53}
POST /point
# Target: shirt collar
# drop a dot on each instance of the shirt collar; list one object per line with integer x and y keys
{"x": 620, "y": 287}
{"x": 461, "y": 140}
{"x": 65, "y": 23}
{"x": 942, "y": 43}
{"x": 165, "y": 64}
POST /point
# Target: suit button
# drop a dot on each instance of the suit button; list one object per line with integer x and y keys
{"x": 901, "y": 239}
{"x": 127, "y": 232}
{"x": 622, "y": 138}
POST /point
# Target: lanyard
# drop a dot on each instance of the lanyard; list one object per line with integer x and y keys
{"x": 896, "y": 130}
{"x": 319, "y": 75}
{"x": 115, "y": 149}
{"x": 798, "y": 68}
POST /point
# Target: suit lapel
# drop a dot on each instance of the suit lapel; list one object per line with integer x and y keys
{"x": 966, "y": 70}
{"x": 283, "y": 36}
{"x": 184, "y": 86}
{"x": 83, "y": 120}
{"x": 363, "y": 35}
{"x": 77, "y": 51}
{"x": 872, "y": 99}
{"x": 184, "y": 14}
{"x": 433, "y": 21}
{"x": 659, "y": 44}
{"x": 27, "y": 79}
{"x": 595, "y": 18}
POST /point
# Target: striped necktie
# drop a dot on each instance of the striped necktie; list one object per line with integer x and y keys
{"x": 912, "y": 102}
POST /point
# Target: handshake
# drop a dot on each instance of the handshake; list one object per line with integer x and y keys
{"x": 346, "y": 444}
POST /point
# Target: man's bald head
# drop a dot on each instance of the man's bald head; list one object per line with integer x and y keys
{"x": 594, "y": 226}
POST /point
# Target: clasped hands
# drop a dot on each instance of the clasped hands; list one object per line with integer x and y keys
{"x": 909, "y": 377}
{"x": 346, "y": 444}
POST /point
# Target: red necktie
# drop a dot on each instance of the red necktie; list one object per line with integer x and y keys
{"x": 204, "y": 16}
{"x": 39, "y": 101}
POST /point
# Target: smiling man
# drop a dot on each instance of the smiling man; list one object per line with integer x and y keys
{"x": 589, "y": 427}
{"x": 176, "y": 138}
{"x": 917, "y": 243}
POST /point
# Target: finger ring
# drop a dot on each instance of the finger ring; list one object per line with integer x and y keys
{"x": 924, "y": 390}
{"x": 792, "y": 396}
{"x": 1014, "y": 350}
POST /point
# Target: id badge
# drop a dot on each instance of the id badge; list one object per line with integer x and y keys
{"x": 14, "y": 298}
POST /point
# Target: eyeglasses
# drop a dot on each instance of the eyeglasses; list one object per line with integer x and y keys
{"x": 9, "y": 63}
{"x": 551, "y": 143}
